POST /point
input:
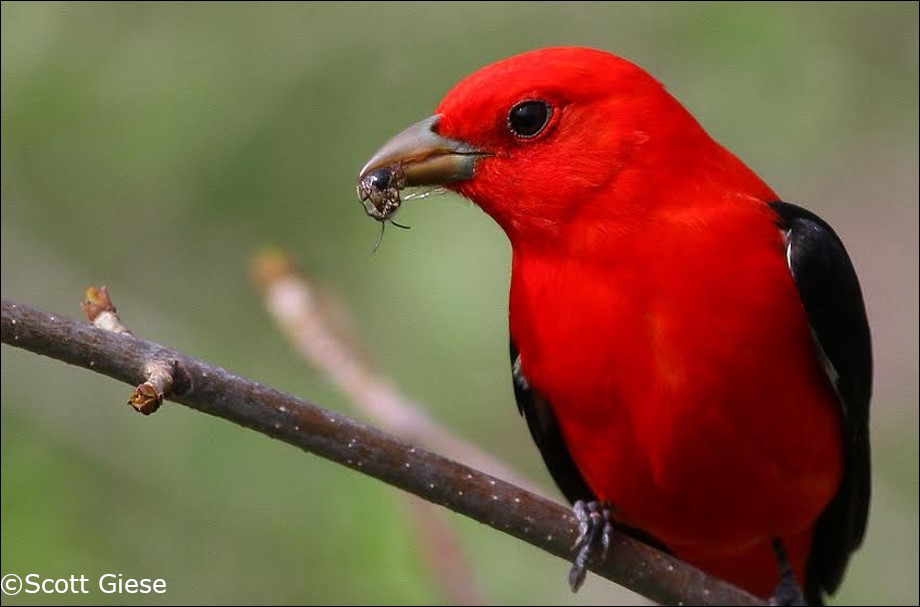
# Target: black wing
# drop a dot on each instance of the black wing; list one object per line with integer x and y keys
{"x": 545, "y": 432}
{"x": 833, "y": 301}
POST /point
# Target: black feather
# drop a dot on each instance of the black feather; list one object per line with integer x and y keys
{"x": 833, "y": 301}
{"x": 546, "y": 434}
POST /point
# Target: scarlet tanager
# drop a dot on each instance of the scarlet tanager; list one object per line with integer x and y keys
{"x": 691, "y": 354}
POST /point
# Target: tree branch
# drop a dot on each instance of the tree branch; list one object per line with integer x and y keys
{"x": 318, "y": 332}
{"x": 213, "y": 390}
{"x": 297, "y": 305}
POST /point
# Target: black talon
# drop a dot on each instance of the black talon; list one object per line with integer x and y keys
{"x": 594, "y": 529}
{"x": 788, "y": 593}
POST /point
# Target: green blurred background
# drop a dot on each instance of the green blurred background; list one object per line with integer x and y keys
{"x": 155, "y": 147}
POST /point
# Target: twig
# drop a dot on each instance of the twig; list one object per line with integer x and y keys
{"x": 297, "y": 306}
{"x": 148, "y": 396}
{"x": 100, "y": 310}
{"x": 213, "y": 390}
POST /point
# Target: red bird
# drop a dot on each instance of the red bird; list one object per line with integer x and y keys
{"x": 691, "y": 354}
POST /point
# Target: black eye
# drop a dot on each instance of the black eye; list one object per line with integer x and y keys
{"x": 528, "y": 118}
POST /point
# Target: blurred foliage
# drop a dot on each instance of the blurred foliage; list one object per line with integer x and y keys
{"x": 154, "y": 147}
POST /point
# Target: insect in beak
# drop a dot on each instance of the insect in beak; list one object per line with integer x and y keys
{"x": 379, "y": 191}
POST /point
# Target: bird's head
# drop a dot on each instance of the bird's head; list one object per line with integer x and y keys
{"x": 544, "y": 140}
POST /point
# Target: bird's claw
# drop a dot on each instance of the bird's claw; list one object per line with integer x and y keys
{"x": 594, "y": 531}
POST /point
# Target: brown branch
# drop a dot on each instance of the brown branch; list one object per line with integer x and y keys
{"x": 505, "y": 507}
{"x": 100, "y": 310}
{"x": 319, "y": 336}
{"x": 297, "y": 307}
{"x": 148, "y": 396}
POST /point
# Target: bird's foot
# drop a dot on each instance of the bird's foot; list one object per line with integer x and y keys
{"x": 595, "y": 525}
{"x": 788, "y": 593}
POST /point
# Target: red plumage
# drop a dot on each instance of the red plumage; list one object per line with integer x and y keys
{"x": 653, "y": 306}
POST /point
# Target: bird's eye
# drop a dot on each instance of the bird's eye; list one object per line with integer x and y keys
{"x": 528, "y": 118}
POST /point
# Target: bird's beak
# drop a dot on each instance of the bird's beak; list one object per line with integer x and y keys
{"x": 424, "y": 157}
